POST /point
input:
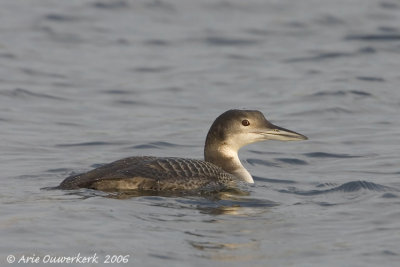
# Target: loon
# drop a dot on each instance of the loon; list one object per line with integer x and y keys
{"x": 220, "y": 169}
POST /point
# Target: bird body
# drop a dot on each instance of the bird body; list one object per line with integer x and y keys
{"x": 221, "y": 167}
{"x": 152, "y": 174}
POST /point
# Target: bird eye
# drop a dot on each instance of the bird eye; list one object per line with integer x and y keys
{"x": 245, "y": 123}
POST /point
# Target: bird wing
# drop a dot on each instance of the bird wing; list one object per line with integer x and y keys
{"x": 151, "y": 173}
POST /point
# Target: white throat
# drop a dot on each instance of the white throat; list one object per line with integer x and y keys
{"x": 236, "y": 167}
{"x": 244, "y": 175}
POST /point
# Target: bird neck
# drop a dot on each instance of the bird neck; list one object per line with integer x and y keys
{"x": 226, "y": 156}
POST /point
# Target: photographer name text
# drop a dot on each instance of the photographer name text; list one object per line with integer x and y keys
{"x": 75, "y": 259}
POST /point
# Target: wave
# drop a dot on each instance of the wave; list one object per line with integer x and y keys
{"x": 328, "y": 155}
{"x": 353, "y": 186}
{"x": 159, "y": 144}
{"x": 95, "y": 143}
{"x": 24, "y": 93}
{"x": 225, "y": 41}
{"x": 345, "y": 93}
{"x": 374, "y": 37}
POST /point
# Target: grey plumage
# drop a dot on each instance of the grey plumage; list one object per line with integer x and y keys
{"x": 153, "y": 173}
{"x": 221, "y": 168}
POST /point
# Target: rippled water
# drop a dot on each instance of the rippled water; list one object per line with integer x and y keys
{"x": 84, "y": 83}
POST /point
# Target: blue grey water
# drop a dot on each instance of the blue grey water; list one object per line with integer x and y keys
{"x": 84, "y": 83}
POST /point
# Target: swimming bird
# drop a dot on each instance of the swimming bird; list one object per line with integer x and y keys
{"x": 220, "y": 169}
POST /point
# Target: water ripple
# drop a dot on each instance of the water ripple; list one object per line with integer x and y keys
{"x": 389, "y": 5}
{"x": 342, "y": 93}
{"x": 225, "y": 41}
{"x": 111, "y": 4}
{"x": 328, "y": 155}
{"x": 94, "y": 143}
{"x": 359, "y": 185}
{"x": 389, "y": 195}
{"x": 130, "y": 102}
{"x": 34, "y": 72}
{"x": 59, "y": 170}
{"x": 319, "y": 57}
{"x": 334, "y": 110}
{"x": 261, "y": 162}
{"x": 292, "y": 161}
{"x": 60, "y": 18}
{"x": 159, "y": 144}
{"x": 7, "y": 55}
{"x": 353, "y": 186}
{"x": 370, "y": 79}
{"x": 24, "y": 93}
{"x": 152, "y": 69}
{"x": 269, "y": 180}
{"x": 117, "y": 92}
{"x": 374, "y": 37}
{"x": 157, "y": 42}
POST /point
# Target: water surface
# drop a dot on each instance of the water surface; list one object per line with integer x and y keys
{"x": 83, "y": 83}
